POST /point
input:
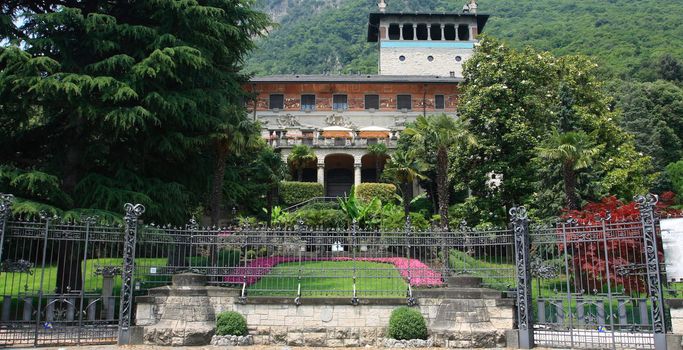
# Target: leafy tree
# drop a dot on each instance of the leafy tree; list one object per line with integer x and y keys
{"x": 670, "y": 68}
{"x": 403, "y": 169}
{"x": 674, "y": 172}
{"x": 514, "y": 100}
{"x": 120, "y": 101}
{"x": 300, "y": 156}
{"x": 441, "y": 132}
{"x": 379, "y": 150}
{"x": 653, "y": 114}
{"x": 574, "y": 151}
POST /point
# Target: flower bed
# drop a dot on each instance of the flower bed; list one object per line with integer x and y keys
{"x": 419, "y": 273}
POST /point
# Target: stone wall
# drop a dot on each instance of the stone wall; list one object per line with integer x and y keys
{"x": 185, "y": 316}
{"x": 416, "y": 61}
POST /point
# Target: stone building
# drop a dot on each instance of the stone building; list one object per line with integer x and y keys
{"x": 420, "y": 64}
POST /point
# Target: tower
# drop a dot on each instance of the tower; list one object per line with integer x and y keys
{"x": 425, "y": 43}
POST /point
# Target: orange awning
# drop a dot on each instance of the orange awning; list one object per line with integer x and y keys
{"x": 336, "y": 134}
{"x": 374, "y": 134}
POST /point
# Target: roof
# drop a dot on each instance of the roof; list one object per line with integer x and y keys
{"x": 360, "y": 78}
{"x": 375, "y": 17}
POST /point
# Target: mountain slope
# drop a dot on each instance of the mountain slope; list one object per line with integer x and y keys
{"x": 624, "y": 36}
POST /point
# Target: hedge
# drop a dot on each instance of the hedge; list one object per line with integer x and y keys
{"x": 406, "y": 323}
{"x": 230, "y": 323}
{"x": 327, "y": 218}
{"x": 292, "y": 192}
{"x": 385, "y": 192}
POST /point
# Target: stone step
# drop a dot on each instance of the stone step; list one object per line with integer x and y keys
{"x": 458, "y": 293}
{"x": 464, "y": 281}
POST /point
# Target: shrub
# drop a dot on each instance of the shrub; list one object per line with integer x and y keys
{"x": 396, "y": 221}
{"x": 251, "y": 254}
{"x": 292, "y": 193}
{"x": 406, "y": 323}
{"x": 230, "y": 323}
{"x": 321, "y": 205}
{"x": 226, "y": 258}
{"x": 263, "y": 251}
{"x": 367, "y": 191}
{"x": 328, "y": 218}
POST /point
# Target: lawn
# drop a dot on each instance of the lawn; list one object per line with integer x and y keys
{"x": 25, "y": 283}
{"x": 331, "y": 279}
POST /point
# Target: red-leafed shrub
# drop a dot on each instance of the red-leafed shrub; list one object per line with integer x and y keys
{"x": 590, "y": 241}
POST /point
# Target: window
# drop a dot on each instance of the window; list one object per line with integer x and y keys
{"x": 439, "y": 102}
{"x": 401, "y": 58}
{"x": 408, "y": 32}
{"x": 308, "y": 102}
{"x": 403, "y": 102}
{"x": 430, "y": 58}
{"x": 422, "y": 32}
{"x": 277, "y": 101}
{"x": 394, "y": 32}
{"x": 435, "y": 31}
{"x": 463, "y": 32}
{"x": 449, "y": 32}
{"x": 371, "y": 101}
{"x": 340, "y": 102}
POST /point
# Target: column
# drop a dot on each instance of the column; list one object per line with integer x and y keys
{"x": 356, "y": 173}
{"x": 321, "y": 174}
{"x": 443, "y": 37}
{"x": 415, "y": 31}
{"x": 400, "y": 31}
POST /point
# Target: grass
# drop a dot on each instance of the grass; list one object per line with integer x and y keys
{"x": 331, "y": 279}
{"x": 29, "y": 283}
{"x": 495, "y": 274}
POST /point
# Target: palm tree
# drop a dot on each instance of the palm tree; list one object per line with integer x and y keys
{"x": 272, "y": 170}
{"x": 379, "y": 150}
{"x": 300, "y": 156}
{"x": 403, "y": 168}
{"x": 235, "y": 136}
{"x": 574, "y": 150}
{"x": 441, "y": 132}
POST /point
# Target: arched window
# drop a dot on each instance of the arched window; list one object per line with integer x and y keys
{"x": 463, "y": 32}
{"x": 449, "y": 32}
{"x": 394, "y": 32}
{"x": 408, "y": 32}
{"x": 435, "y": 32}
{"x": 422, "y": 32}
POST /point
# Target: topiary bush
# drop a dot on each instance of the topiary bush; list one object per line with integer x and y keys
{"x": 292, "y": 192}
{"x": 406, "y": 323}
{"x": 367, "y": 191}
{"x": 230, "y": 323}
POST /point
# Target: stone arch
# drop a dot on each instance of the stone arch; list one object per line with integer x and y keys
{"x": 339, "y": 174}
{"x": 369, "y": 167}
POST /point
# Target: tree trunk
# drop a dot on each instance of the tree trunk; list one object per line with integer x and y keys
{"x": 442, "y": 184}
{"x": 269, "y": 204}
{"x": 300, "y": 173}
{"x": 216, "y": 198}
{"x": 378, "y": 171}
{"x": 69, "y": 273}
{"x": 405, "y": 192}
{"x": 570, "y": 187}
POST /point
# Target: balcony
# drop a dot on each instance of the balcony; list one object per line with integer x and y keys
{"x": 321, "y": 142}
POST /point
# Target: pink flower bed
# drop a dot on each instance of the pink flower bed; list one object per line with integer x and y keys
{"x": 421, "y": 275}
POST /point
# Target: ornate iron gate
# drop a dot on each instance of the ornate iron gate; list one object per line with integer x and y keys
{"x": 593, "y": 286}
{"x": 60, "y": 282}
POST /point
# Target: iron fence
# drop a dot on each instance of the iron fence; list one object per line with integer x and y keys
{"x": 304, "y": 262}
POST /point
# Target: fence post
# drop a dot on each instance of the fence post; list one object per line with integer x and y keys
{"x": 5, "y": 212}
{"x": 520, "y": 224}
{"x": 646, "y": 206}
{"x": 132, "y": 213}
{"x": 354, "y": 228}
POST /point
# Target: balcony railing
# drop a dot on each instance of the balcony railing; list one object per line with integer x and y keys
{"x": 330, "y": 142}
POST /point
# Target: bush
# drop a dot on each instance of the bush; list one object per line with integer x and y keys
{"x": 321, "y": 205}
{"x": 406, "y": 323}
{"x": 367, "y": 191}
{"x": 230, "y": 323}
{"x": 251, "y": 254}
{"x": 328, "y": 218}
{"x": 292, "y": 193}
{"x": 396, "y": 221}
{"x": 226, "y": 258}
{"x": 263, "y": 251}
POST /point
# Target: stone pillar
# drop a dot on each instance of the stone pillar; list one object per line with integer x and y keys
{"x": 400, "y": 31}
{"x": 356, "y": 173}
{"x": 443, "y": 36}
{"x": 415, "y": 31}
{"x": 321, "y": 174}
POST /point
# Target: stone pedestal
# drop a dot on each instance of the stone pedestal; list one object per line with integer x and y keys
{"x": 674, "y": 340}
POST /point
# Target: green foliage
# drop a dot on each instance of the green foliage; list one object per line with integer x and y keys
{"x": 326, "y": 218}
{"x": 230, "y": 323}
{"x": 107, "y": 103}
{"x": 365, "y": 192}
{"x": 653, "y": 114}
{"x": 225, "y": 258}
{"x": 251, "y": 254}
{"x": 406, "y": 323}
{"x": 356, "y": 210}
{"x": 292, "y": 193}
{"x": 300, "y": 156}
{"x": 320, "y": 36}
{"x": 514, "y": 100}
{"x": 674, "y": 173}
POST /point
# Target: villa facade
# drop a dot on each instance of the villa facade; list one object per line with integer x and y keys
{"x": 339, "y": 116}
